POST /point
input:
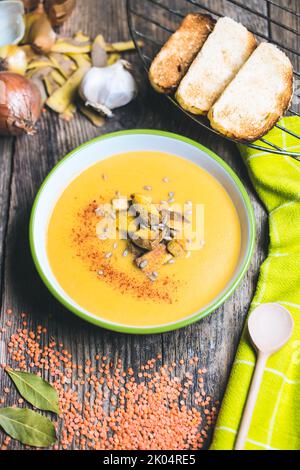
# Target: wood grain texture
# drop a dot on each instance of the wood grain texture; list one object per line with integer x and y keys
{"x": 25, "y": 162}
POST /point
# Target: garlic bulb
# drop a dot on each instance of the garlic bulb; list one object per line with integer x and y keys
{"x": 107, "y": 88}
{"x": 12, "y": 25}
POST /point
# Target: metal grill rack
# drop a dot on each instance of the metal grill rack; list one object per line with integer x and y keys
{"x": 152, "y": 22}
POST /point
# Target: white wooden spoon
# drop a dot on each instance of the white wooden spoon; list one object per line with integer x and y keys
{"x": 270, "y": 327}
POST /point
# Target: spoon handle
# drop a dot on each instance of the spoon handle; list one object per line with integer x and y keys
{"x": 251, "y": 401}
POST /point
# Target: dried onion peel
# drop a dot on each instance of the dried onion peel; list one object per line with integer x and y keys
{"x": 13, "y": 59}
{"x": 20, "y": 104}
{"x": 108, "y": 88}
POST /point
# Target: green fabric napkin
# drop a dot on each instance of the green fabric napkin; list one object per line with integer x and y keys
{"x": 276, "y": 419}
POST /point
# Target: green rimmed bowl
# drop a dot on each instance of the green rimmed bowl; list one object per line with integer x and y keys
{"x": 129, "y": 141}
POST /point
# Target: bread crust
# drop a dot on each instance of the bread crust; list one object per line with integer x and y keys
{"x": 217, "y": 63}
{"x": 176, "y": 56}
{"x": 257, "y": 98}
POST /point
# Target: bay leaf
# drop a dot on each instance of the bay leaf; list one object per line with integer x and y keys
{"x": 28, "y": 427}
{"x": 35, "y": 390}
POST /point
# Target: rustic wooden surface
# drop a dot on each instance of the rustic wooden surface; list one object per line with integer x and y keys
{"x": 24, "y": 163}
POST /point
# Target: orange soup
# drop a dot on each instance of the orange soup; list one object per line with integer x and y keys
{"x": 102, "y": 275}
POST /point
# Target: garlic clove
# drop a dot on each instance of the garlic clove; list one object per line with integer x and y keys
{"x": 108, "y": 88}
{"x": 30, "y": 4}
{"x": 12, "y": 25}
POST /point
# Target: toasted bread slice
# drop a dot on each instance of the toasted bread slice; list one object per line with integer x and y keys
{"x": 257, "y": 97}
{"x": 174, "y": 59}
{"x": 223, "y": 54}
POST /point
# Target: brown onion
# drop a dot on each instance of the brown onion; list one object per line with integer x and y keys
{"x": 20, "y": 104}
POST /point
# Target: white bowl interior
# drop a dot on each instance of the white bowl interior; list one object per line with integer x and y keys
{"x": 99, "y": 150}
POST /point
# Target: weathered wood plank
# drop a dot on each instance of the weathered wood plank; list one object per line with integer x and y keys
{"x": 214, "y": 339}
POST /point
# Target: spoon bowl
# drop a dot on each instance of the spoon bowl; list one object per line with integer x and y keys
{"x": 270, "y": 327}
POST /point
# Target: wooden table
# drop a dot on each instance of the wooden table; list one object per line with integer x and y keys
{"x": 24, "y": 163}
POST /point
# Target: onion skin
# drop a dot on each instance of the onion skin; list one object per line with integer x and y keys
{"x": 30, "y": 4}
{"x": 20, "y": 104}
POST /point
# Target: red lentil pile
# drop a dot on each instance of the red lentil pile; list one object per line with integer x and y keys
{"x": 104, "y": 407}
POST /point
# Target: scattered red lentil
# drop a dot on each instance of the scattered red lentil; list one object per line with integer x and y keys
{"x": 104, "y": 406}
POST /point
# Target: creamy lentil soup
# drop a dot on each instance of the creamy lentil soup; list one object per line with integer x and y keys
{"x": 102, "y": 276}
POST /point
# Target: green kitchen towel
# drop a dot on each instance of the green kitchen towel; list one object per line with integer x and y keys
{"x": 276, "y": 419}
